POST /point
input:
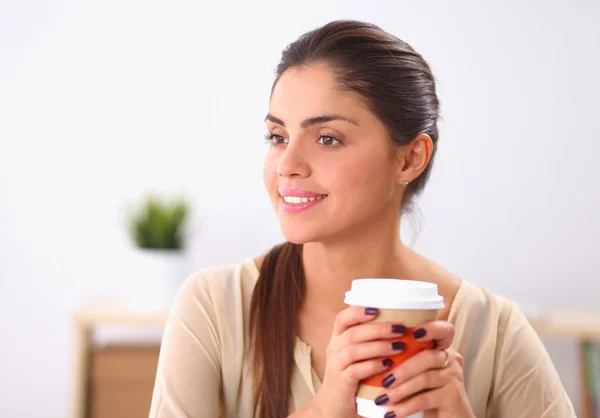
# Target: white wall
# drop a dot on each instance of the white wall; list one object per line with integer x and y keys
{"x": 103, "y": 100}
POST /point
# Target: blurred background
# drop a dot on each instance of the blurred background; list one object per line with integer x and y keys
{"x": 105, "y": 102}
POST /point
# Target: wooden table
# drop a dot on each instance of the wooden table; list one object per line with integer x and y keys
{"x": 85, "y": 323}
{"x": 584, "y": 328}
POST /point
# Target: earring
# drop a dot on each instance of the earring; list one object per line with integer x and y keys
{"x": 405, "y": 184}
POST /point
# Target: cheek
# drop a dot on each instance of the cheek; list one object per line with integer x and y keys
{"x": 365, "y": 175}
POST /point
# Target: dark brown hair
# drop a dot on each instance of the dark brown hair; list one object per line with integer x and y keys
{"x": 397, "y": 85}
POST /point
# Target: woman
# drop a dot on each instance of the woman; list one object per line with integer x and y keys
{"x": 352, "y": 128}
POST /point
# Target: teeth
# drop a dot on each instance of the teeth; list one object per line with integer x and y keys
{"x": 297, "y": 199}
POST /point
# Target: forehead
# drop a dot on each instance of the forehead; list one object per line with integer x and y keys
{"x": 307, "y": 91}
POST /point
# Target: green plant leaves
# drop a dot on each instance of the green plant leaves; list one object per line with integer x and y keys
{"x": 159, "y": 224}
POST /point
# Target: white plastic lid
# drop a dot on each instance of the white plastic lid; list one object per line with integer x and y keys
{"x": 366, "y": 408}
{"x": 394, "y": 294}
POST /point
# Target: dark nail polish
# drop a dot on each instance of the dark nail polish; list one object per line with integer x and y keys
{"x": 389, "y": 379}
{"x": 387, "y": 362}
{"x": 371, "y": 311}
{"x": 398, "y": 345}
{"x": 398, "y": 329}
{"x": 419, "y": 333}
{"x": 390, "y": 414}
{"x": 382, "y": 399}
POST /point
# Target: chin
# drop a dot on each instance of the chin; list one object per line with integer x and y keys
{"x": 298, "y": 238}
{"x": 298, "y": 235}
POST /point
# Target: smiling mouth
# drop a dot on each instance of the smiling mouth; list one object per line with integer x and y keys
{"x": 301, "y": 200}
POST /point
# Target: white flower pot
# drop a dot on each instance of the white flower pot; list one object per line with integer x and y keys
{"x": 158, "y": 276}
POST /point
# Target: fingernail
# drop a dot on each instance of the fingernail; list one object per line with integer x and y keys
{"x": 371, "y": 311}
{"x": 398, "y": 329}
{"x": 390, "y": 414}
{"x": 382, "y": 399}
{"x": 419, "y": 333}
{"x": 398, "y": 345}
{"x": 387, "y": 362}
{"x": 388, "y": 380}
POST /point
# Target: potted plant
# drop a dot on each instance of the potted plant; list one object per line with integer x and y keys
{"x": 159, "y": 225}
{"x": 158, "y": 230}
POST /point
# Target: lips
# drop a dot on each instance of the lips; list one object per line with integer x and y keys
{"x": 297, "y": 200}
{"x": 299, "y": 193}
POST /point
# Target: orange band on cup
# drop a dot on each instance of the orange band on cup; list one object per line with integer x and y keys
{"x": 412, "y": 347}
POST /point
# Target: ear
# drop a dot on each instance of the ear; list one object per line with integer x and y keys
{"x": 414, "y": 157}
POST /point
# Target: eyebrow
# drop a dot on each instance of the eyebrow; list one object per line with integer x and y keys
{"x": 312, "y": 121}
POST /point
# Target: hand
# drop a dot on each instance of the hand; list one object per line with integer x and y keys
{"x": 434, "y": 377}
{"x": 357, "y": 350}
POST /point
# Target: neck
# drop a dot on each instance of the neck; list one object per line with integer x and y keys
{"x": 331, "y": 266}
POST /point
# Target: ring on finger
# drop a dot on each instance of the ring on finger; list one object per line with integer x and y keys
{"x": 447, "y": 358}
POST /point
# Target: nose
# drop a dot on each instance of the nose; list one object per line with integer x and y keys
{"x": 292, "y": 162}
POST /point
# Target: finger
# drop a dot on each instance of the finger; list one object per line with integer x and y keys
{"x": 414, "y": 366}
{"x": 435, "y": 399}
{"x": 442, "y": 332}
{"x": 459, "y": 358}
{"x": 372, "y": 332}
{"x": 369, "y": 350}
{"x": 422, "y": 402}
{"x": 364, "y": 369}
{"x": 351, "y": 316}
{"x": 431, "y": 379}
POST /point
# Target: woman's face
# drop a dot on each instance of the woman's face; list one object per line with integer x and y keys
{"x": 331, "y": 171}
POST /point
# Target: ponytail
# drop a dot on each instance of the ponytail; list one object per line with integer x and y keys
{"x": 276, "y": 300}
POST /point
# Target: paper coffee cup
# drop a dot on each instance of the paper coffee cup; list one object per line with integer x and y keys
{"x": 406, "y": 302}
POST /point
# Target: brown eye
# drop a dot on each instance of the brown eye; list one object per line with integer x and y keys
{"x": 275, "y": 139}
{"x": 328, "y": 140}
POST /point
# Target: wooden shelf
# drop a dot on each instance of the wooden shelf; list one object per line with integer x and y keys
{"x": 85, "y": 321}
{"x": 94, "y": 317}
{"x": 584, "y": 328}
{"x": 569, "y": 325}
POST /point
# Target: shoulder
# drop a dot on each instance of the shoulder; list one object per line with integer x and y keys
{"x": 476, "y": 301}
{"x": 214, "y": 302}
{"x": 222, "y": 281}
{"x": 504, "y": 355}
{"x": 487, "y": 320}
{"x": 220, "y": 293}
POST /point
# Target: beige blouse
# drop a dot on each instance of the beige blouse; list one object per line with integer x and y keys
{"x": 203, "y": 363}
